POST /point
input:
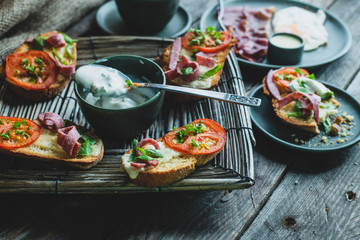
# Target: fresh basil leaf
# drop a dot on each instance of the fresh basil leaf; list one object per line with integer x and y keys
{"x": 211, "y": 72}
{"x": 68, "y": 39}
{"x": 327, "y": 105}
{"x": 154, "y": 153}
{"x": 85, "y": 149}
{"x": 186, "y": 71}
{"x": 86, "y": 137}
{"x": 327, "y": 125}
{"x": 295, "y": 114}
{"x": 38, "y": 43}
{"x": 143, "y": 157}
{"x": 58, "y": 56}
{"x": 133, "y": 153}
{"x": 69, "y": 50}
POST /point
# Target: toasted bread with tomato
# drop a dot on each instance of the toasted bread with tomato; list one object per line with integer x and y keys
{"x": 165, "y": 173}
{"x": 206, "y": 83}
{"x": 308, "y": 124}
{"x": 45, "y": 148}
{"x": 179, "y": 159}
{"x": 61, "y": 79}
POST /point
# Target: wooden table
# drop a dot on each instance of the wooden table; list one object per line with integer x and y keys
{"x": 296, "y": 195}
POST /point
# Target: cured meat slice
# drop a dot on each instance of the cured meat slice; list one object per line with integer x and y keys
{"x": 251, "y": 28}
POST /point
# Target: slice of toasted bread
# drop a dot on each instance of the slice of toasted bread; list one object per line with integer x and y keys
{"x": 309, "y": 125}
{"x": 55, "y": 88}
{"x": 46, "y": 149}
{"x": 206, "y": 84}
{"x": 165, "y": 173}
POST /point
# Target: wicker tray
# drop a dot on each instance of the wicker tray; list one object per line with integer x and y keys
{"x": 231, "y": 169}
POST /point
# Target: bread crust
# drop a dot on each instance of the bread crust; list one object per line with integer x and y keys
{"x": 220, "y": 58}
{"x": 63, "y": 158}
{"x": 61, "y": 81}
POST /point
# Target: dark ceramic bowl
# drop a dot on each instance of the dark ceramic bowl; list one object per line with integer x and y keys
{"x": 125, "y": 123}
{"x": 147, "y": 16}
{"x": 285, "y": 49}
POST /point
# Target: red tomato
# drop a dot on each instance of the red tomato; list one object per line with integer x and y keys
{"x": 210, "y": 139}
{"x": 17, "y": 132}
{"x": 207, "y": 45}
{"x": 284, "y": 76}
{"x": 33, "y": 69}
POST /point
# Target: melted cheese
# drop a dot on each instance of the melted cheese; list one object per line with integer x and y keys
{"x": 133, "y": 172}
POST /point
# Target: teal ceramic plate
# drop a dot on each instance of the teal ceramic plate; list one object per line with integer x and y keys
{"x": 109, "y": 20}
{"x": 339, "y": 39}
{"x": 265, "y": 120}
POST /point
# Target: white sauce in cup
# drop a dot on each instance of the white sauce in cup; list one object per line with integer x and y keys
{"x": 285, "y": 41}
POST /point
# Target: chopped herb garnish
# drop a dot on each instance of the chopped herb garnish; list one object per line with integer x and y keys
{"x": 186, "y": 71}
{"x": 16, "y": 73}
{"x": 6, "y": 135}
{"x": 128, "y": 82}
{"x": 23, "y": 122}
{"x": 16, "y": 125}
{"x": 198, "y": 37}
{"x": 1, "y": 121}
{"x": 211, "y": 72}
{"x": 25, "y": 61}
{"x": 194, "y": 143}
{"x": 193, "y": 56}
{"x": 312, "y": 76}
{"x": 189, "y": 128}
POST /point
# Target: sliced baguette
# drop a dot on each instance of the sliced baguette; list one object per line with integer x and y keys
{"x": 46, "y": 149}
{"x": 55, "y": 88}
{"x": 166, "y": 172}
{"x": 309, "y": 125}
{"x": 220, "y": 58}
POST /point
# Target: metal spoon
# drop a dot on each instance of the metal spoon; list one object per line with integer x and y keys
{"x": 226, "y": 97}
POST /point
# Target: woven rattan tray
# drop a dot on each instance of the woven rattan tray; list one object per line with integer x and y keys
{"x": 231, "y": 169}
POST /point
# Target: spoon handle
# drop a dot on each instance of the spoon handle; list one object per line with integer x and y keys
{"x": 226, "y": 97}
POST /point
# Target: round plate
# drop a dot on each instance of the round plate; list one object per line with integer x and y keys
{"x": 109, "y": 20}
{"x": 267, "y": 122}
{"x": 339, "y": 39}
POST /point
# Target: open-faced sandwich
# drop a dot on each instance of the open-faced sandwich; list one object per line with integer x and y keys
{"x": 196, "y": 60}
{"x": 49, "y": 139}
{"x": 155, "y": 163}
{"x": 41, "y": 67}
{"x": 301, "y": 101}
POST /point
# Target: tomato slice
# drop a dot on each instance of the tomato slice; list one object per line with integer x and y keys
{"x": 17, "y": 132}
{"x": 208, "y": 44}
{"x": 33, "y": 69}
{"x": 212, "y": 139}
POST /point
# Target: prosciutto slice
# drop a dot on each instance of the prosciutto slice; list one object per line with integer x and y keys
{"x": 251, "y": 28}
{"x": 314, "y": 100}
{"x": 175, "y": 53}
{"x": 205, "y": 59}
{"x": 57, "y": 40}
{"x": 184, "y": 63}
{"x": 67, "y": 140}
{"x": 69, "y": 69}
{"x": 272, "y": 86}
{"x": 51, "y": 120}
